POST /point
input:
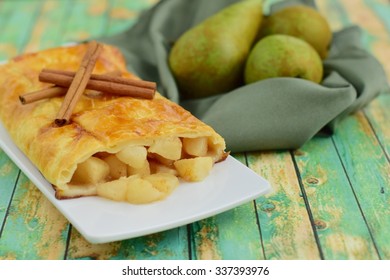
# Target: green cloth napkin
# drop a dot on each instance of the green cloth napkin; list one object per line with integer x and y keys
{"x": 278, "y": 113}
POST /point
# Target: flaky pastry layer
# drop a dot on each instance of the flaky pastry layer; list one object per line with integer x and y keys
{"x": 100, "y": 125}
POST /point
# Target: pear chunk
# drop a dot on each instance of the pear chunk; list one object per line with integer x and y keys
{"x": 194, "y": 169}
{"x": 156, "y": 167}
{"x": 114, "y": 190}
{"x": 134, "y": 156}
{"x": 140, "y": 191}
{"x": 168, "y": 148}
{"x": 195, "y": 146}
{"x": 162, "y": 160}
{"x": 91, "y": 171}
{"x": 117, "y": 167}
{"x": 164, "y": 182}
{"x": 142, "y": 171}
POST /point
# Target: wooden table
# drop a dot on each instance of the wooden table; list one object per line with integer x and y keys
{"x": 330, "y": 200}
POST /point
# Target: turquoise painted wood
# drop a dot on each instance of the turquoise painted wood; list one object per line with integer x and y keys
{"x": 49, "y": 27}
{"x": 167, "y": 245}
{"x": 17, "y": 26}
{"x": 8, "y": 177}
{"x": 378, "y": 115}
{"x": 330, "y": 198}
{"x": 31, "y": 217}
{"x": 337, "y": 218}
{"x": 381, "y": 10}
{"x": 231, "y": 235}
{"x": 364, "y": 153}
{"x": 123, "y": 14}
{"x": 87, "y": 19}
{"x": 285, "y": 223}
{"x": 369, "y": 174}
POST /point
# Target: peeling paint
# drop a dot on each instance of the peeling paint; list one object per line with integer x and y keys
{"x": 122, "y": 13}
{"x": 5, "y": 169}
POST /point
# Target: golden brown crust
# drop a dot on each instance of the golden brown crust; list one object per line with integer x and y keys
{"x": 98, "y": 124}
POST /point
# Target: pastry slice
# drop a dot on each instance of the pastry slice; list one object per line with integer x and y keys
{"x": 120, "y": 148}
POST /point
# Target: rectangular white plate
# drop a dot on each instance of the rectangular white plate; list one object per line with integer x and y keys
{"x": 100, "y": 220}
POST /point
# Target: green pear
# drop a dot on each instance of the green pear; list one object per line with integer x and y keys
{"x": 209, "y": 58}
{"x": 303, "y": 22}
{"x": 283, "y": 56}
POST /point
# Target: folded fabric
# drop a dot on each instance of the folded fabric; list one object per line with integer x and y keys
{"x": 277, "y": 113}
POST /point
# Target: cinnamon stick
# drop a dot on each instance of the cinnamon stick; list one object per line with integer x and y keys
{"x": 79, "y": 82}
{"x": 100, "y": 85}
{"x": 147, "y": 89}
{"x": 108, "y": 78}
{"x": 53, "y": 91}
{"x": 50, "y": 92}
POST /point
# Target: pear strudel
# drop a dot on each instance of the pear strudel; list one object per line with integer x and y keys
{"x": 118, "y": 147}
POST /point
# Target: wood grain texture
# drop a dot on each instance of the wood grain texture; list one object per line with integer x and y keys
{"x": 368, "y": 170}
{"x": 284, "y": 221}
{"x": 17, "y": 26}
{"x": 378, "y": 114}
{"x": 338, "y": 220}
{"x": 231, "y": 235}
{"x": 123, "y": 14}
{"x": 362, "y": 139}
{"x": 49, "y": 27}
{"x": 34, "y": 229}
{"x": 7, "y": 48}
{"x": 376, "y": 36}
{"x": 167, "y": 245}
{"x": 8, "y": 177}
{"x": 87, "y": 19}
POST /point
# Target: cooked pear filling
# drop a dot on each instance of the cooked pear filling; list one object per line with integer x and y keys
{"x": 145, "y": 173}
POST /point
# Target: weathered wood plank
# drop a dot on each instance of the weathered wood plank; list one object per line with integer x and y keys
{"x": 6, "y": 49}
{"x": 167, "y": 245}
{"x": 382, "y": 11}
{"x": 368, "y": 170}
{"x": 284, "y": 221}
{"x": 378, "y": 114}
{"x": 376, "y": 21}
{"x": 123, "y": 14}
{"x": 49, "y": 27}
{"x": 231, "y": 235}
{"x": 340, "y": 225}
{"x": 88, "y": 19}
{"x": 8, "y": 176}
{"x": 17, "y": 26}
{"x": 34, "y": 229}
{"x": 362, "y": 154}
{"x": 376, "y": 34}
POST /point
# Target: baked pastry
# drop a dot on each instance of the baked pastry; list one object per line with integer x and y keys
{"x": 121, "y": 148}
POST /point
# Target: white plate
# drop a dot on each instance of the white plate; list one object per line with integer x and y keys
{"x": 100, "y": 220}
